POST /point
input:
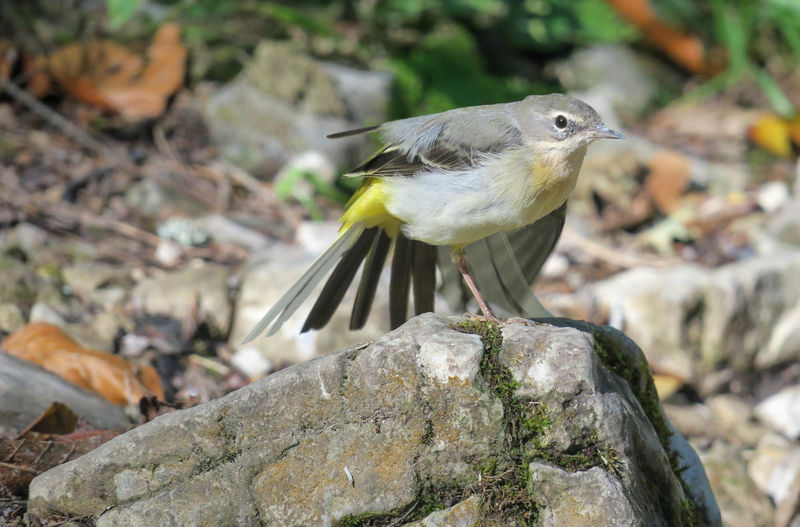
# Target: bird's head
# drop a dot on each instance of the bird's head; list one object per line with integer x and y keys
{"x": 560, "y": 122}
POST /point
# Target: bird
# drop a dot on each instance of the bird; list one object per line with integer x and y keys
{"x": 487, "y": 183}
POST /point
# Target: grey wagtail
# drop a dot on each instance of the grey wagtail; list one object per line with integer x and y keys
{"x": 498, "y": 173}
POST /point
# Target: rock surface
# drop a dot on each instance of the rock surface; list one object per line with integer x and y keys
{"x": 689, "y": 320}
{"x": 285, "y": 103}
{"x": 553, "y": 423}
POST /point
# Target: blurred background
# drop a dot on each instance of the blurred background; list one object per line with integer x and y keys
{"x": 164, "y": 176}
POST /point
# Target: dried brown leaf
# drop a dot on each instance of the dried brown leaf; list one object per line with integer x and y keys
{"x": 116, "y": 379}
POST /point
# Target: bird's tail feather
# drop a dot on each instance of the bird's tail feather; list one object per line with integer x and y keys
{"x": 296, "y": 294}
{"x": 373, "y": 266}
{"x": 424, "y": 276}
{"x": 340, "y": 279}
{"x": 400, "y": 281}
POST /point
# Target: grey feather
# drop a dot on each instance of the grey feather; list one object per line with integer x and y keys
{"x": 400, "y": 281}
{"x": 291, "y": 300}
{"x": 370, "y": 274}
{"x": 339, "y": 281}
{"x": 479, "y": 263}
{"x": 530, "y": 245}
{"x": 517, "y": 287}
{"x": 424, "y": 277}
{"x": 533, "y": 243}
{"x": 357, "y": 131}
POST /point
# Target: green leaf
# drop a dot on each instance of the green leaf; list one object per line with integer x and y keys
{"x": 774, "y": 94}
{"x": 120, "y": 11}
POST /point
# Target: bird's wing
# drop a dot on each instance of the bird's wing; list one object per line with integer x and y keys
{"x": 505, "y": 265}
{"x": 453, "y": 140}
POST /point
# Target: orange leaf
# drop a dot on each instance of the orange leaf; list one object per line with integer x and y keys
{"x": 669, "y": 178}
{"x": 107, "y": 75}
{"x": 686, "y": 50}
{"x": 108, "y": 375}
{"x": 771, "y": 133}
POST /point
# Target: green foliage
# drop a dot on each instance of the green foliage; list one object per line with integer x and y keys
{"x": 120, "y": 11}
{"x": 752, "y": 34}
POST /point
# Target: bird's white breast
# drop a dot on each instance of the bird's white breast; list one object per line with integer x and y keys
{"x": 503, "y": 193}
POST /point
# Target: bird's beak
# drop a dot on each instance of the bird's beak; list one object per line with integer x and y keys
{"x": 602, "y": 132}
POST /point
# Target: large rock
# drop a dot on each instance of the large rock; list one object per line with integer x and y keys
{"x": 428, "y": 425}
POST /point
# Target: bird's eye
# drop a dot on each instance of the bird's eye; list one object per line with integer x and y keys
{"x": 561, "y": 121}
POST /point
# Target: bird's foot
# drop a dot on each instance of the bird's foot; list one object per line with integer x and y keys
{"x": 487, "y": 318}
{"x": 518, "y": 321}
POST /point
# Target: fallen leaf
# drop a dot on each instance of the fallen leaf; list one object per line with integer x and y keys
{"x": 116, "y": 379}
{"x": 772, "y": 133}
{"x": 668, "y": 180}
{"x": 686, "y": 50}
{"x": 667, "y": 385}
{"x": 58, "y": 418}
{"x": 107, "y": 75}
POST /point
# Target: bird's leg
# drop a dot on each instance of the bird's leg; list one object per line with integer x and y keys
{"x": 458, "y": 259}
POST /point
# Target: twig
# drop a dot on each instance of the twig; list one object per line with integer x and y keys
{"x": 12, "y": 466}
{"x": 56, "y": 119}
{"x": 613, "y": 256}
{"x": 14, "y": 452}
{"x": 43, "y": 452}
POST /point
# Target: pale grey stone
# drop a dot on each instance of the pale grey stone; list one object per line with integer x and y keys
{"x": 781, "y": 412}
{"x": 741, "y": 502}
{"x": 202, "y": 287}
{"x": 689, "y": 320}
{"x": 774, "y": 466}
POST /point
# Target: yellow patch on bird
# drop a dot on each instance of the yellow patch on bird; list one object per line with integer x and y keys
{"x": 368, "y": 206}
{"x": 554, "y": 173}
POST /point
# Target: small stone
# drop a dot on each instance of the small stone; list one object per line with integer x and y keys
{"x": 740, "y": 501}
{"x": 250, "y": 361}
{"x": 41, "y": 312}
{"x": 224, "y": 229}
{"x": 555, "y": 266}
{"x": 11, "y": 318}
{"x": 691, "y": 420}
{"x": 781, "y": 412}
{"x": 773, "y": 195}
{"x": 464, "y": 514}
{"x": 784, "y": 343}
{"x": 183, "y": 231}
{"x": 168, "y": 253}
{"x": 199, "y": 290}
{"x": 102, "y": 283}
{"x": 774, "y": 466}
{"x": 734, "y": 420}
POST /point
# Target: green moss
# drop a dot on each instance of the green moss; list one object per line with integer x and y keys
{"x": 430, "y": 499}
{"x": 503, "y": 484}
{"x": 643, "y": 388}
{"x": 360, "y": 520}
